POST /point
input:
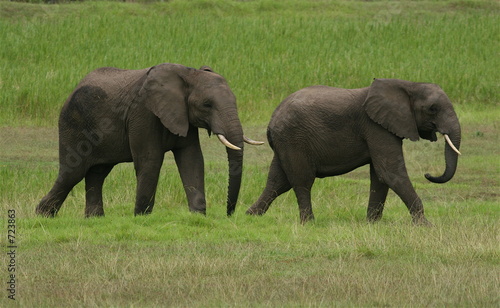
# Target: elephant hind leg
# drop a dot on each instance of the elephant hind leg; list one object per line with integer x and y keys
{"x": 301, "y": 175}
{"x": 277, "y": 184}
{"x": 66, "y": 180}
{"x": 94, "y": 180}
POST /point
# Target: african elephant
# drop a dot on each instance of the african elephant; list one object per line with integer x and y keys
{"x": 117, "y": 115}
{"x": 322, "y": 131}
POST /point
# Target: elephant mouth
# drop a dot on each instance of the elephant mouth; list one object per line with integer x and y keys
{"x": 204, "y": 125}
{"x": 429, "y": 135}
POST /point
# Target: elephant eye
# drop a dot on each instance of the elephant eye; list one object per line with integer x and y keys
{"x": 207, "y": 104}
{"x": 433, "y": 109}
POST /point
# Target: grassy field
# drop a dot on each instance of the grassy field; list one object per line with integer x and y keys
{"x": 266, "y": 50}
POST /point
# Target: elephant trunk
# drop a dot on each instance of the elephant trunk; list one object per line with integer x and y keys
{"x": 451, "y": 157}
{"x": 235, "y": 159}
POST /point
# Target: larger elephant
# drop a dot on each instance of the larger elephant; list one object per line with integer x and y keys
{"x": 322, "y": 131}
{"x": 117, "y": 115}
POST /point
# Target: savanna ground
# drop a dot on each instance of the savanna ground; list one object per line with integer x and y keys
{"x": 266, "y": 50}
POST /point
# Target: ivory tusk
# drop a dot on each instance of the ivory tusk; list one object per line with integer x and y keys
{"x": 227, "y": 143}
{"x": 451, "y": 144}
{"x": 252, "y": 142}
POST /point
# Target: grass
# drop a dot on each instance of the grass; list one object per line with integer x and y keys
{"x": 175, "y": 258}
{"x": 273, "y": 48}
{"x": 266, "y": 50}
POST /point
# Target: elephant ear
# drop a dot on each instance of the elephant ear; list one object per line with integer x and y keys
{"x": 162, "y": 93}
{"x": 388, "y": 103}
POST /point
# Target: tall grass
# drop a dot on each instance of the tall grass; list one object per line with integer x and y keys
{"x": 265, "y": 49}
{"x": 175, "y": 258}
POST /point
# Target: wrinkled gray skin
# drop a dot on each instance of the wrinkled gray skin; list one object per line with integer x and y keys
{"x": 322, "y": 131}
{"x": 116, "y": 116}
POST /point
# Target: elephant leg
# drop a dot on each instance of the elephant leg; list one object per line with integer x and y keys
{"x": 94, "y": 180}
{"x": 191, "y": 168}
{"x": 147, "y": 172}
{"x": 277, "y": 184}
{"x": 66, "y": 180}
{"x": 394, "y": 174}
{"x": 413, "y": 202}
{"x": 378, "y": 194}
{"x": 301, "y": 176}
{"x": 303, "y": 194}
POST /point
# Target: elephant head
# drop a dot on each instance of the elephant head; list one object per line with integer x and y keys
{"x": 416, "y": 110}
{"x": 182, "y": 97}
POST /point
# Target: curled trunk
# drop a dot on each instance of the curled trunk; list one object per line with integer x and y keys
{"x": 451, "y": 159}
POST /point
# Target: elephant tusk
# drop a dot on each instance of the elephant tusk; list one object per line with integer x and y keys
{"x": 451, "y": 144}
{"x": 252, "y": 142}
{"x": 227, "y": 143}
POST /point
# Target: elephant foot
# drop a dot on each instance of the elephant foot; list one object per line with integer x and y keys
{"x": 373, "y": 220}
{"x": 49, "y": 214}
{"x": 422, "y": 221}
{"x": 255, "y": 211}
{"x": 374, "y": 217}
{"x": 46, "y": 210}
{"x": 374, "y": 214}
{"x": 199, "y": 211}
{"x": 143, "y": 210}
{"x": 95, "y": 213}
{"x": 306, "y": 218}
{"x": 140, "y": 212}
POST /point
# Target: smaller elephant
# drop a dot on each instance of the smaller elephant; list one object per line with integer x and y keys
{"x": 117, "y": 115}
{"x": 322, "y": 131}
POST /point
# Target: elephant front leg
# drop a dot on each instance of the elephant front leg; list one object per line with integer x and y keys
{"x": 147, "y": 173}
{"x": 191, "y": 168}
{"x": 416, "y": 208}
{"x": 396, "y": 177}
{"x": 407, "y": 193}
{"x": 378, "y": 194}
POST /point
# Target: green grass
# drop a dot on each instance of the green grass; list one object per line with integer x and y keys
{"x": 175, "y": 258}
{"x": 266, "y": 50}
